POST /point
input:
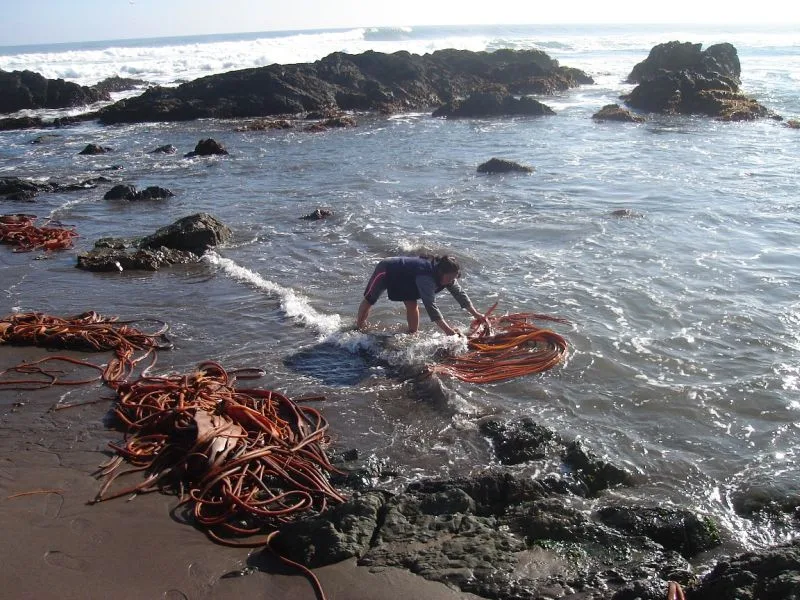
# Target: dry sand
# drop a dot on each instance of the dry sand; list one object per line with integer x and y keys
{"x": 56, "y": 545}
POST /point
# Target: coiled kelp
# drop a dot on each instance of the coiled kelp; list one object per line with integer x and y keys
{"x": 505, "y": 347}
{"x": 21, "y": 231}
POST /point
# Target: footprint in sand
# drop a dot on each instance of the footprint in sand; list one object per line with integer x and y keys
{"x": 175, "y": 595}
{"x": 52, "y": 505}
{"x": 88, "y": 530}
{"x": 55, "y": 558}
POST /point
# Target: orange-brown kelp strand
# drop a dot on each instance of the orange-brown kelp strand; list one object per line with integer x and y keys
{"x": 87, "y": 331}
{"x": 248, "y": 459}
{"x": 20, "y": 230}
{"x": 504, "y": 347}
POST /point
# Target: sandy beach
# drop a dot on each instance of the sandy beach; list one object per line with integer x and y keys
{"x": 60, "y": 546}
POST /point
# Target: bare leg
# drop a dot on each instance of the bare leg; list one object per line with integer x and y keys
{"x": 412, "y": 315}
{"x": 363, "y": 313}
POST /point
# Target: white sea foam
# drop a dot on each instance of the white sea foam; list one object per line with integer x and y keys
{"x": 294, "y": 305}
{"x": 396, "y": 350}
{"x": 169, "y": 61}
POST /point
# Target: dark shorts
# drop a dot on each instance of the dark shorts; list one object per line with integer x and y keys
{"x": 401, "y": 287}
{"x": 376, "y": 284}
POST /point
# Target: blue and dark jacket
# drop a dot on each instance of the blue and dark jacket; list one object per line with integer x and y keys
{"x": 414, "y": 278}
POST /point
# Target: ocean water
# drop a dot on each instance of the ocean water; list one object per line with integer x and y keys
{"x": 684, "y": 360}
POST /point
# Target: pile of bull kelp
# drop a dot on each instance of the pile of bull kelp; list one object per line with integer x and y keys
{"x": 22, "y": 232}
{"x": 505, "y": 346}
{"x": 244, "y": 459}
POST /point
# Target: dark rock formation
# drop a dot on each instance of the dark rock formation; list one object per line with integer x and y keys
{"x": 721, "y": 59}
{"x": 196, "y": 233}
{"x": 340, "y": 121}
{"x": 207, "y": 147}
{"x": 182, "y": 242}
{"x": 494, "y": 535}
{"x": 165, "y": 149}
{"x": 676, "y": 529}
{"x": 614, "y": 112}
{"x": 129, "y": 192}
{"x": 492, "y": 104}
{"x": 106, "y": 259}
{"x": 593, "y": 473}
{"x": 626, "y": 213}
{"x": 501, "y": 165}
{"x": 520, "y": 441}
{"x": 345, "y": 82}
{"x": 14, "y": 188}
{"x": 678, "y": 78}
{"x": 117, "y": 84}
{"x": 501, "y": 535}
{"x": 582, "y": 473}
{"x": 12, "y": 123}
{"x": 317, "y": 214}
{"x": 793, "y": 124}
{"x": 772, "y": 574}
{"x": 91, "y": 149}
{"x": 266, "y": 125}
{"x": 26, "y": 90}
{"x": 46, "y": 138}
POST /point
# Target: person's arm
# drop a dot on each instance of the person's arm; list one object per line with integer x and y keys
{"x": 463, "y": 300}
{"x": 442, "y": 324}
{"x": 427, "y": 293}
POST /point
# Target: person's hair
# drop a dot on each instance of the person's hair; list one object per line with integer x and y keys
{"x": 447, "y": 264}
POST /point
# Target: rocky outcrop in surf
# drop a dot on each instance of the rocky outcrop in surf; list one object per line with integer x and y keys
{"x": 680, "y": 78}
{"x": 371, "y": 81}
{"x": 20, "y": 189}
{"x": 182, "y": 242}
{"x": 28, "y": 90}
{"x": 504, "y": 533}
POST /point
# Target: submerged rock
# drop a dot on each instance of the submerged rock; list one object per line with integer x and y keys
{"x": 129, "y": 192}
{"x": 165, "y": 149}
{"x": 614, "y": 112}
{"x": 115, "y": 83}
{"x": 15, "y": 188}
{"x": 110, "y": 259}
{"x": 207, "y": 147}
{"x": 493, "y": 104}
{"x": 11, "y": 123}
{"x": 674, "y": 528}
{"x": 772, "y": 574}
{"x": 95, "y": 149}
{"x": 318, "y": 214}
{"x": 501, "y": 165}
{"x": 266, "y": 125}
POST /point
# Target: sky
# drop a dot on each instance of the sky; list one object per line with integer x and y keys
{"x": 54, "y": 21}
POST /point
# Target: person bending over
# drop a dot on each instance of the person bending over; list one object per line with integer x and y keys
{"x": 407, "y": 279}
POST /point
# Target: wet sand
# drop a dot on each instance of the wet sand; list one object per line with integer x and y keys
{"x": 59, "y": 546}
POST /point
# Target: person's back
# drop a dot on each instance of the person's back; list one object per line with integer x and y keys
{"x": 410, "y": 278}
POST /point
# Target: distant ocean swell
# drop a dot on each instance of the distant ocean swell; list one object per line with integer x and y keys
{"x": 170, "y": 61}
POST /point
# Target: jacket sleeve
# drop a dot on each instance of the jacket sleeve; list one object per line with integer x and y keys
{"x": 427, "y": 293}
{"x": 459, "y": 294}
